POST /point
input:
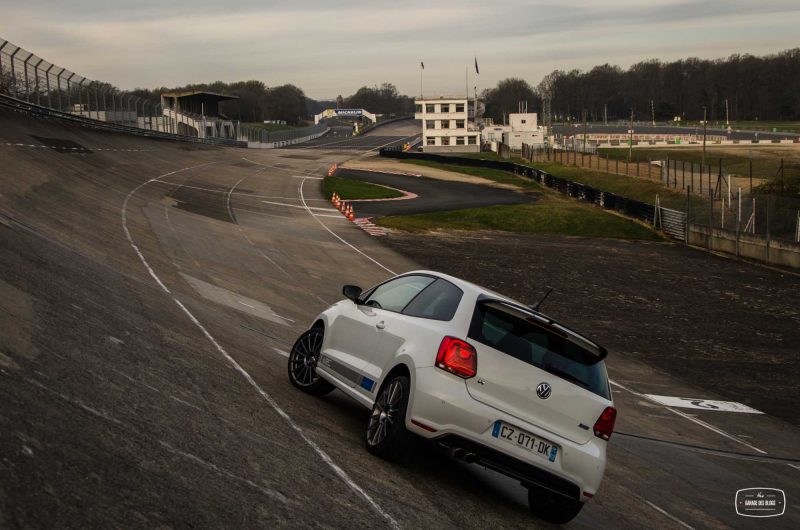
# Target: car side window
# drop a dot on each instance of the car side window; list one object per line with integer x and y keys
{"x": 439, "y": 301}
{"x": 395, "y": 294}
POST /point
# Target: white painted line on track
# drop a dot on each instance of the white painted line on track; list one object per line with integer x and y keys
{"x": 668, "y": 515}
{"x": 692, "y": 419}
{"x": 281, "y": 352}
{"x": 268, "y": 398}
{"x": 702, "y": 404}
{"x": 305, "y": 177}
{"x": 197, "y": 460}
{"x": 334, "y": 234}
{"x": 301, "y": 207}
{"x": 340, "y": 216}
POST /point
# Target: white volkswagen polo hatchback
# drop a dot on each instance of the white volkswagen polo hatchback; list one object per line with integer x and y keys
{"x": 494, "y": 381}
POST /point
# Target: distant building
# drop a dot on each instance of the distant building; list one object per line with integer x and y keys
{"x": 446, "y": 125}
{"x": 493, "y": 133}
{"x": 522, "y": 128}
{"x": 196, "y": 113}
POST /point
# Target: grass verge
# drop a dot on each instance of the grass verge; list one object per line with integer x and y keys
{"x": 735, "y": 159}
{"x": 630, "y": 187}
{"x": 496, "y": 175}
{"x": 355, "y": 189}
{"x": 551, "y": 214}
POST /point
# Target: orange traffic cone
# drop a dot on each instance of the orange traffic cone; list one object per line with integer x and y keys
{"x": 342, "y": 206}
{"x": 350, "y": 214}
{"x": 335, "y": 199}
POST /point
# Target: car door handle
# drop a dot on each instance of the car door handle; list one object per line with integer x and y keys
{"x": 380, "y": 325}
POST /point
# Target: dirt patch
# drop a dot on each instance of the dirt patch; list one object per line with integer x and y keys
{"x": 717, "y": 323}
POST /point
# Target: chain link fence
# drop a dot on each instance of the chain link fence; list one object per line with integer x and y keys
{"x": 42, "y": 85}
{"x": 769, "y": 216}
{"x": 27, "y": 77}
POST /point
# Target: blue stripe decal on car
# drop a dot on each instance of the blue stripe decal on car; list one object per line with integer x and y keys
{"x": 367, "y": 383}
{"x": 496, "y": 429}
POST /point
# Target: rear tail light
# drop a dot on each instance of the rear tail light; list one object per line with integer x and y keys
{"x": 604, "y": 425}
{"x": 457, "y": 357}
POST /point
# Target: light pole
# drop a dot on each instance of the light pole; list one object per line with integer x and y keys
{"x": 703, "y": 162}
{"x": 653, "y": 111}
{"x": 630, "y": 138}
{"x": 585, "y": 114}
{"x": 727, "y": 115}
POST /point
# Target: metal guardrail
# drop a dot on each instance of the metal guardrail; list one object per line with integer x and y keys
{"x": 64, "y": 117}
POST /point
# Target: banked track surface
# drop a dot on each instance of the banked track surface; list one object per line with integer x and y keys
{"x": 127, "y": 405}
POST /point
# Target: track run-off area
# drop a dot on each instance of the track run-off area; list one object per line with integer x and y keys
{"x": 149, "y": 293}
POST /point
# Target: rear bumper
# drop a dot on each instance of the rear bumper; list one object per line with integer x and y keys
{"x": 498, "y": 461}
{"x": 440, "y": 401}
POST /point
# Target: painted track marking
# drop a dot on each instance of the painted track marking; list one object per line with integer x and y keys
{"x": 702, "y": 404}
{"x": 341, "y": 473}
{"x": 369, "y": 227}
{"x": 334, "y": 234}
{"x": 690, "y": 418}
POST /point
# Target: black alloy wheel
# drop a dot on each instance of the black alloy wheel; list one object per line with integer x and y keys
{"x": 386, "y": 435}
{"x": 303, "y": 363}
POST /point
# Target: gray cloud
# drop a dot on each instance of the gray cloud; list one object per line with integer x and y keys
{"x": 333, "y": 47}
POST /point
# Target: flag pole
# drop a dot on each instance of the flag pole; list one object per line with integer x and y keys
{"x": 477, "y": 74}
{"x": 421, "y": 68}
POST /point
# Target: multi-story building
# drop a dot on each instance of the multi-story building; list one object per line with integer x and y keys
{"x": 446, "y": 125}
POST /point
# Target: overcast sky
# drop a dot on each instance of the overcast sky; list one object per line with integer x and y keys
{"x": 330, "y": 47}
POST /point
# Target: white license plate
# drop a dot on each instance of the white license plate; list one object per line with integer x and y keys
{"x": 516, "y": 436}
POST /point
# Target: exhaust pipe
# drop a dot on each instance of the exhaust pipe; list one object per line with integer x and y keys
{"x": 463, "y": 454}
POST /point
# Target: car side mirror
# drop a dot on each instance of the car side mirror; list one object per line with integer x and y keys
{"x": 352, "y": 292}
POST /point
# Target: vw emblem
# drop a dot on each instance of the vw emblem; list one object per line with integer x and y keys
{"x": 544, "y": 390}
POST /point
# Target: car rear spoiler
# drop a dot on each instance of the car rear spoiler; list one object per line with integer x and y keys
{"x": 550, "y": 324}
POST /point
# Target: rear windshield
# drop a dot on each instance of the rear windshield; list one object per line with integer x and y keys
{"x": 523, "y": 337}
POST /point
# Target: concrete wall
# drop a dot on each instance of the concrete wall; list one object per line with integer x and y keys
{"x": 773, "y": 252}
{"x": 515, "y": 139}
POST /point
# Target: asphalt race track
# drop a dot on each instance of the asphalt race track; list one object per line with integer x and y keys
{"x": 432, "y": 195}
{"x": 389, "y": 135}
{"x": 149, "y": 292}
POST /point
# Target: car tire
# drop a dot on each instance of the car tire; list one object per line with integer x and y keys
{"x": 552, "y": 507}
{"x": 303, "y": 364}
{"x": 386, "y": 435}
